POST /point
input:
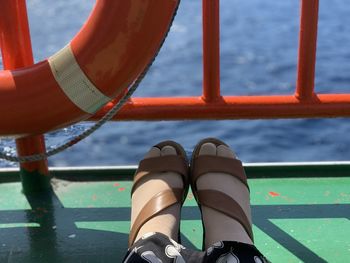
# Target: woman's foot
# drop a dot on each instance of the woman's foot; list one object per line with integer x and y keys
{"x": 218, "y": 222}
{"x": 152, "y": 180}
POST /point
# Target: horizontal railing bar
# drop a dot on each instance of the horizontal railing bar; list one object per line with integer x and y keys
{"x": 253, "y": 170}
{"x": 232, "y": 107}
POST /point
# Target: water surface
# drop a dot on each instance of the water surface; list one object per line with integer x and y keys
{"x": 258, "y": 56}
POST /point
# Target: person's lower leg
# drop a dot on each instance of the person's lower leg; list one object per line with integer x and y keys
{"x": 218, "y": 226}
{"x": 166, "y": 222}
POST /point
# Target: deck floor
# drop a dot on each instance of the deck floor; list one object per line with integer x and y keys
{"x": 295, "y": 220}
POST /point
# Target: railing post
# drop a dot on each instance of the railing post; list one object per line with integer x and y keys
{"x": 17, "y": 52}
{"x": 211, "y": 50}
{"x": 307, "y": 50}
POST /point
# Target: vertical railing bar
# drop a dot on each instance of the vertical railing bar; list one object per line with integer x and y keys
{"x": 307, "y": 49}
{"x": 211, "y": 50}
{"x": 17, "y": 52}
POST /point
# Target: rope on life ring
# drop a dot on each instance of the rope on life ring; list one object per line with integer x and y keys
{"x": 95, "y": 99}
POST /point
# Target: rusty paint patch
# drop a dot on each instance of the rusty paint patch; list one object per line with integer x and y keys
{"x": 274, "y": 194}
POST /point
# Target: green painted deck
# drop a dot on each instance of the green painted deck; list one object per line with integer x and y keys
{"x": 301, "y": 213}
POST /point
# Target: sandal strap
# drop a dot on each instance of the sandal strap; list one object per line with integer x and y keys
{"x": 216, "y": 164}
{"x": 153, "y": 207}
{"x": 169, "y": 163}
{"x": 225, "y": 204}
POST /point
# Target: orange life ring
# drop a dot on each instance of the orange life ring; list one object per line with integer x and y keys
{"x": 111, "y": 50}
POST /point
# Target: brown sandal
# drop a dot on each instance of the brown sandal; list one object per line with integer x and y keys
{"x": 219, "y": 201}
{"x": 164, "y": 199}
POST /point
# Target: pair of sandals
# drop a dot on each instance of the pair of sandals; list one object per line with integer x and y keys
{"x": 200, "y": 165}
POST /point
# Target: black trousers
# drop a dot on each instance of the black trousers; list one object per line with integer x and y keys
{"x": 158, "y": 248}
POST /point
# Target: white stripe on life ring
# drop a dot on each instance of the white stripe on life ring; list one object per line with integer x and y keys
{"x": 75, "y": 83}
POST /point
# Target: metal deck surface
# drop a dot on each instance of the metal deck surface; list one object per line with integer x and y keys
{"x": 302, "y": 219}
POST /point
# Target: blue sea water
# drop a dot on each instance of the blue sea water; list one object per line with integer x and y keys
{"x": 258, "y": 56}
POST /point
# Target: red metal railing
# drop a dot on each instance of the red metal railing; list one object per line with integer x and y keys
{"x": 211, "y": 105}
{"x": 16, "y": 51}
{"x": 305, "y": 103}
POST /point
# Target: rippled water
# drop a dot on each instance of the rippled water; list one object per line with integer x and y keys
{"x": 258, "y": 56}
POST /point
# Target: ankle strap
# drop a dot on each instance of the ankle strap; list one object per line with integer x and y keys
{"x": 225, "y": 204}
{"x": 153, "y": 207}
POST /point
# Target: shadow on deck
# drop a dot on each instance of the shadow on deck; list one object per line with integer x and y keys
{"x": 295, "y": 220}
